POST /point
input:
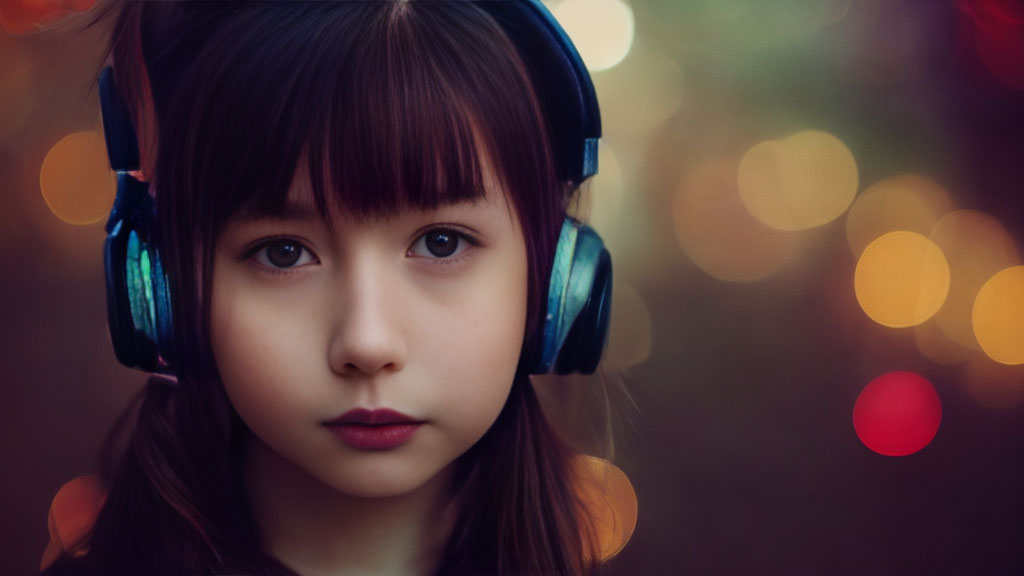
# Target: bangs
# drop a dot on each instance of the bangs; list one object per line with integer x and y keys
{"x": 400, "y": 130}
{"x": 391, "y": 104}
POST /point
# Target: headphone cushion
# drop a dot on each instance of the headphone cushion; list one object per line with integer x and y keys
{"x": 589, "y": 333}
{"x": 138, "y": 302}
{"x": 579, "y": 299}
{"x": 119, "y": 318}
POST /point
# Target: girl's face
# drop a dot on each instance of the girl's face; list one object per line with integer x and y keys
{"x": 422, "y": 314}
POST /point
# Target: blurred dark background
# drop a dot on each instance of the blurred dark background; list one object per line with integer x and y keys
{"x": 800, "y": 196}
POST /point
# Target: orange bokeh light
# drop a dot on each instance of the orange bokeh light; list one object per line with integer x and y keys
{"x": 901, "y": 279}
{"x": 998, "y": 316}
{"x": 609, "y": 499}
{"x": 76, "y": 180}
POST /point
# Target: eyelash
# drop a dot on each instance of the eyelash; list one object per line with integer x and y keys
{"x": 251, "y": 254}
{"x": 449, "y": 260}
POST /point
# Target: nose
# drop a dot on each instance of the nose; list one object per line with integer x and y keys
{"x": 367, "y": 336}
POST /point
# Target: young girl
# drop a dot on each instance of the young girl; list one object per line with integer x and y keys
{"x": 341, "y": 245}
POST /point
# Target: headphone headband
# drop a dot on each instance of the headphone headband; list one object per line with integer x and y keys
{"x": 118, "y": 128}
{"x": 561, "y": 80}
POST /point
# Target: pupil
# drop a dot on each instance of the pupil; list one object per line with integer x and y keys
{"x": 441, "y": 244}
{"x": 283, "y": 254}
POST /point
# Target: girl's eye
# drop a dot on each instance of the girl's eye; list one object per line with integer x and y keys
{"x": 282, "y": 254}
{"x": 442, "y": 243}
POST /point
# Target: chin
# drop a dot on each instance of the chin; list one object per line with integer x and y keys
{"x": 390, "y": 484}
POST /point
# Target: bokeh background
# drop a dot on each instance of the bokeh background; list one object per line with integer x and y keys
{"x": 815, "y": 212}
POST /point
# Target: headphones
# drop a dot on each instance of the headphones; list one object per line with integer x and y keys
{"x": 575, "y": 329}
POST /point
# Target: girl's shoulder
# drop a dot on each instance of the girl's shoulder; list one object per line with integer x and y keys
{"x": 72, "y": 514}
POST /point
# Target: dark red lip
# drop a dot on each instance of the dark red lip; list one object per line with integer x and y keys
{"x": 379, "y": 417}
{"x": 381, "y": 429}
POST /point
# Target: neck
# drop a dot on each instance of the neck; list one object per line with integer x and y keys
{"x": 317, "y": 531}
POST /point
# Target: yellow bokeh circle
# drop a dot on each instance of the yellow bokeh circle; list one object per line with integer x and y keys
{"x": 804, "y": 181}
{"x": 998, "y": 316}
{"x": 602, "y": 30}
{"x": 76, "y": 180}
{"x": 901, "y": 279}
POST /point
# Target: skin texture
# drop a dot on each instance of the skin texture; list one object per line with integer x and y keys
{"x": 365, "y": 316}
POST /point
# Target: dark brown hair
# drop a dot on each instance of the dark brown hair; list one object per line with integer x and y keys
{"x": 392, "y": 105}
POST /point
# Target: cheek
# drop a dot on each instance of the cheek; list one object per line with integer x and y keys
{"x": 477, "y": 351}
{"x": 254, "y": 351}
{"x": 495, "y": 313}
{"x": 234, "y": 348}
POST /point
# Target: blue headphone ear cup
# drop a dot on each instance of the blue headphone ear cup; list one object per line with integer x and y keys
{"x": 588, "y": 336}
{"x": 138, "y": 300}
{"x": 119, "y": 318}
{"x": 579, "y": 303}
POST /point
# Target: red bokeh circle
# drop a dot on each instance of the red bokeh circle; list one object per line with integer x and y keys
{"x": 897, "y": 413}
{"x": 20, "y": 17}
{"x": 999, "y": 37}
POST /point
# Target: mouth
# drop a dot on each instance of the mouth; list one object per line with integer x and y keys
{"x": 365, "y": 417}
{"x": 374, "y": 430}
